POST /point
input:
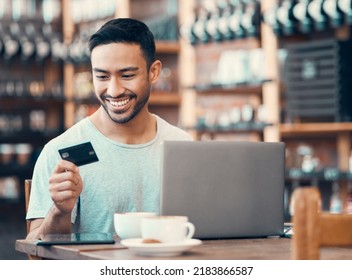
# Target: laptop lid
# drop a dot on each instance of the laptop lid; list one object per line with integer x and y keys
{"x": 227, "y": 189}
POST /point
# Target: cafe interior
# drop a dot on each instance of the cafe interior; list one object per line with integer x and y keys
{"x": 233, "y": 70}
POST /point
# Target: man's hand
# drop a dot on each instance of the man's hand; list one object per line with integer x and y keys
{"x": 65, "y": 186}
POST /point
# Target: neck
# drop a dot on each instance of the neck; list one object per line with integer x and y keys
{"x": 140, "y": 130}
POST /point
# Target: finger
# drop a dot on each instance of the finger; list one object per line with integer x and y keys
{"x": 64, "y": 176}
{"x": 64, "y": 166}
{"x": 65, "y": 186}
{"x": 62, "y": 196}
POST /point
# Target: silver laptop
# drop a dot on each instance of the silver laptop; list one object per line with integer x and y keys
{"x": 227, "y": 189}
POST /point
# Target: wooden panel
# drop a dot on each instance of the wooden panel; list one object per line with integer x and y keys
{"x": 305, "y": 223}
{"x": 335, "y": 230}
{"x": 309, "y": 128}
{"x": 166, "y": 99}
{"x": 314, "y": 229}
{"x": 143, "y": 10}
{"x": 167, "y": 47}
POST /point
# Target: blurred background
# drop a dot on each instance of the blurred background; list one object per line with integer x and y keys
{"x": 235, "y": 70}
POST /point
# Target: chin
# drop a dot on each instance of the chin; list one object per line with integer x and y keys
{"x": 121, "y": 118}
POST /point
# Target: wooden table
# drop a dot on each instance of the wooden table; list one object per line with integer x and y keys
{"x": 233, "y": 249}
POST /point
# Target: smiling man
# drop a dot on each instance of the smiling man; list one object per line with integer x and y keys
{"x": 126, "y": 137}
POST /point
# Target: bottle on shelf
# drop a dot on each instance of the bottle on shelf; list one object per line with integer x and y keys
{"x": 334, "y": 13}
{"x": 9, "y": 188}
{"x": 247, "y": 113}
{"x": 335, "y": 199}
{"x": 300, "y": 12}
{"x": 286, "y": 17}
{"x": 317, "y": 13}
{"x": 199, "y": 27}
{"x": 251, "y": 18}
{"x": 11, "y": 44}
{"x": 270, "y": 18}
{"x": 1, "y": 44}
{"x": 224, "y": 21}
{"x": 212, "y": 24}
{"x": 235, "y": 19}
{"x": 346, "y": 7}
{"x": 59, "y": 50}
{"x": 76, "y": 51}
{"x": 1, "y": 39}
{"x": 187, "y": 29}
{"x": 27, "y": 45}
{"x": 42, "y": 44}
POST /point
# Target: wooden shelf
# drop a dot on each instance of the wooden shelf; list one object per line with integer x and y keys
{"x": 230, "y": 89}
{"x": 236, "y": 128}
{"x": 314, "y": 128}
{"x": 167, "y": 47}
{"x": 164, "y": 99}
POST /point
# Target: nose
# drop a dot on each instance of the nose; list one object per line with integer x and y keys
{"x": 115, "y": 87}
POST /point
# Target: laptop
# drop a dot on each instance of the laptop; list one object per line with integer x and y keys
{"x": 227, "y": 189}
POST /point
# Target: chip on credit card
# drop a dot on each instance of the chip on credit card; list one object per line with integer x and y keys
{"x": 79, "y": 154}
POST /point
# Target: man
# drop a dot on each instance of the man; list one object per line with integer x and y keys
{"x": 127, "y": 139}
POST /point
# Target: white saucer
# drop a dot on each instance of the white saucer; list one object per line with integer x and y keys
{"x": 159, "y": 249}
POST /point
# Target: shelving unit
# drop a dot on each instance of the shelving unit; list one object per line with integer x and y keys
{"x": 200, "y": 62}
{"x": 335, "y": 136}
{"x": 31, "y": 93}
{"x": 332, "y": 136}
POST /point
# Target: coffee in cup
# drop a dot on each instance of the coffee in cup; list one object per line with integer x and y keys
{"x": 128, "y": 225}
{"x": 166, "y": 229}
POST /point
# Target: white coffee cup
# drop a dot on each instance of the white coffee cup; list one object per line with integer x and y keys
{"x": 166, "y": 229}
{"x": 128, "y": 225}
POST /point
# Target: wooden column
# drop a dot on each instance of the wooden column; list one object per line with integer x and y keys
{"x": 68, "y": 33}
{"x": 187, "y": 69}
{"x": 123, "y": 9}
{"x": 343, "y": 154}
{"x": 271, "y": 90}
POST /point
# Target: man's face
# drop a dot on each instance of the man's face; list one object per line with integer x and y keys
{"x": 121, "y": 80}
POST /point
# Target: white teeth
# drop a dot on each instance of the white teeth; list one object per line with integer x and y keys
{"x": 119, "y": 103}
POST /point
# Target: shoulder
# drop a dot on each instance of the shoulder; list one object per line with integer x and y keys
{"x": 168, "y": 131}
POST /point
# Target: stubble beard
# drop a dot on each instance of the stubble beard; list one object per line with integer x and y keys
{"x": 141, "y": 102}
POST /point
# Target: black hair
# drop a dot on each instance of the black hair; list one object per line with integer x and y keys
{"x": 126, "y": 30}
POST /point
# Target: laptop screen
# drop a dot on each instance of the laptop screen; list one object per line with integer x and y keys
{"x": 227, "y": 189}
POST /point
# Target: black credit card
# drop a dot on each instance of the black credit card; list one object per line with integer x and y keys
{"x": 79, "y": 154}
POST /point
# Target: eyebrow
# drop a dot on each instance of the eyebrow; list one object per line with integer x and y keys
{"x": 95, "y": 69}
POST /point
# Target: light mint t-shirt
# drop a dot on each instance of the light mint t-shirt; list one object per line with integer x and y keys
{"x": 126, "y": 177}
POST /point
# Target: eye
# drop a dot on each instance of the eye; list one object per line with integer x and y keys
{"x": 128, "y": 76}
{"x": 101, "y": 77}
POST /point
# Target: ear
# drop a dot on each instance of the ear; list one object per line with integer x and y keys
{"x": 154, "y": 71}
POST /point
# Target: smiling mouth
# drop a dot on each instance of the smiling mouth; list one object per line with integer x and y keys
{"x": 119, "y": 103}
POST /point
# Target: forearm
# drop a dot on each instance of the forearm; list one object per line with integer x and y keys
{"x": 54, "y": 222}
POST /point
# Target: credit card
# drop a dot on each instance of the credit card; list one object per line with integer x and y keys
{"x": 79, "y": 154}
